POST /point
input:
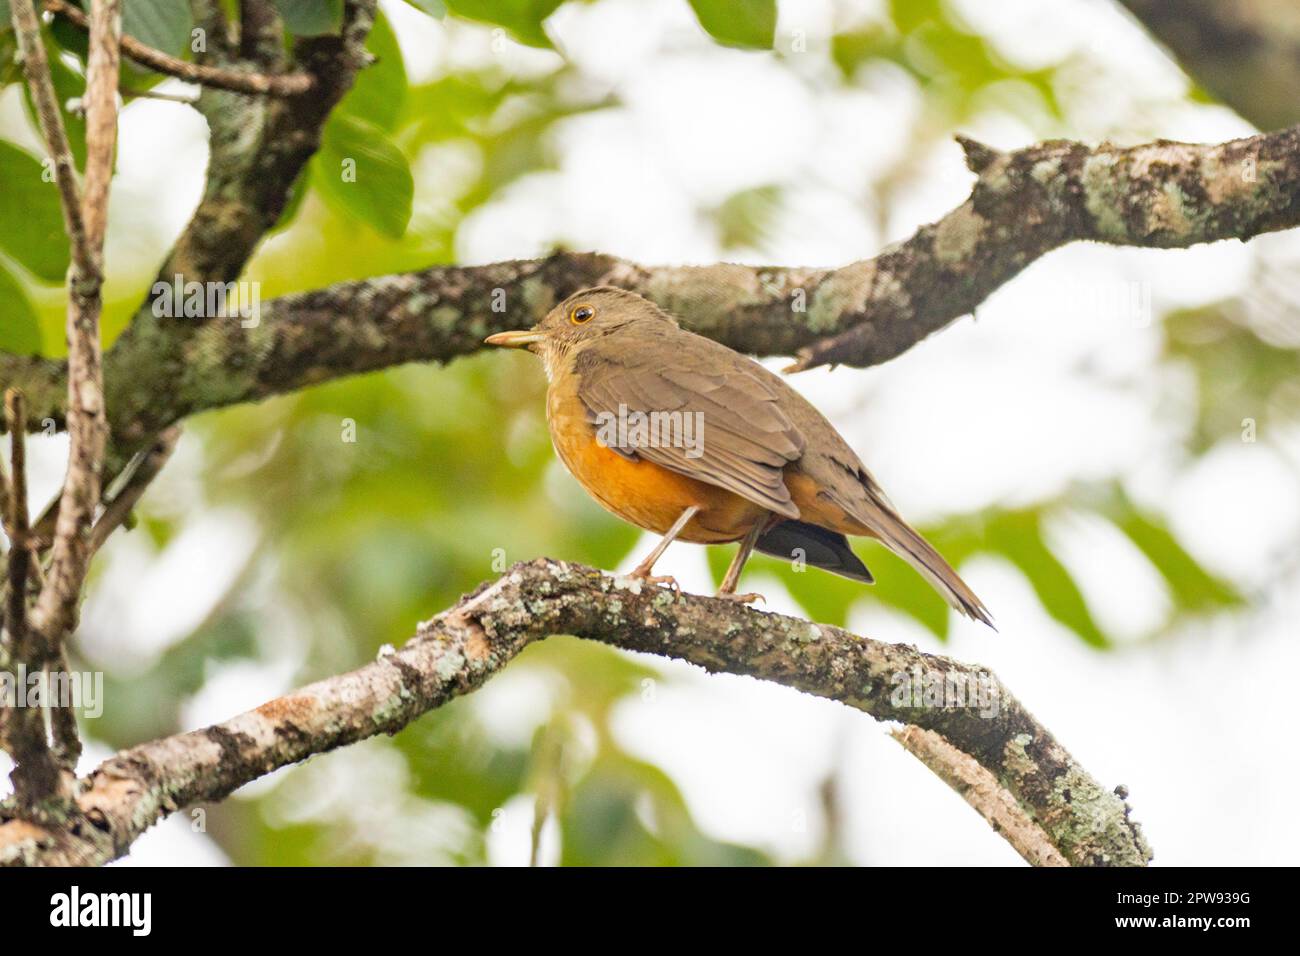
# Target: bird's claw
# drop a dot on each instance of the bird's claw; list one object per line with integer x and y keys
{"x": 741, "y": 598}
{"x": 667, "y": 579}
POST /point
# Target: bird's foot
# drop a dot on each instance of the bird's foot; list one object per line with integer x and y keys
{"x": 740, "y": 598}
{"x": 666, "y": 579}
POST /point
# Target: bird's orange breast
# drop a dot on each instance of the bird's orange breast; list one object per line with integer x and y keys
{"x": 639, "y": 491}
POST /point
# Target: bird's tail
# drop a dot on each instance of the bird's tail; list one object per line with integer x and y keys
{"x": 820, "y": 547}
{"x": 904, "y": 541}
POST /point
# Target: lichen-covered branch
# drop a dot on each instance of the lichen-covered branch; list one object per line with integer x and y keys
{"x": 1023, "y": 205}
{"x": 458, "y": 650}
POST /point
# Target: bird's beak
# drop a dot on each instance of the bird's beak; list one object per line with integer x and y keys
{"x": 520, "y": 339}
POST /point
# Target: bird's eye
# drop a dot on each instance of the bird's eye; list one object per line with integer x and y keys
{"x": 581, "y": 314}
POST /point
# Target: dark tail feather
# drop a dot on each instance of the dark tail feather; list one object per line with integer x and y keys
{"x": 828, "y": 550}
{"x": 899, "y": 537}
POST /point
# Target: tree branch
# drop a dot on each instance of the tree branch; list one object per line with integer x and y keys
{"x": 55, "y": 614}
{"x": 22, "y": 730}
{"x": 1023, "y": 205}
{"x": 102, "y": 63}
{"x": 236, "y": 81}
{"x": 15, "y": 525}
{"x": 981, "y": 790}
{"x": 458, "y": 650}
{"x": 1245, "y": 52}
{"x": 37, "y": 643}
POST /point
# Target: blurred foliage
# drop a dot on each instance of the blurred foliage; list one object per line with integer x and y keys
{"x": 749, "y": 24}
{"x": 743, "y": 219}
{"x": 1241, "y": 370}
{"x": 379, "y": 500}
{"x": 522, "y": 19}
{"x": 953, "y": 64}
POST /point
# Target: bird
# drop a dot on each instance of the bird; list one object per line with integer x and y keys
{"x": 686, "y": 438}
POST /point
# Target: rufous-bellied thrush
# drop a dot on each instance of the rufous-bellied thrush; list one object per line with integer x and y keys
{"x": 762, "y": 466}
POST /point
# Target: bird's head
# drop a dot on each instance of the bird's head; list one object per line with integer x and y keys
{"x": 582, "y": 318}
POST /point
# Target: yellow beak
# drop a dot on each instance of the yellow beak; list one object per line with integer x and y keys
{"x": 520, "y": 339}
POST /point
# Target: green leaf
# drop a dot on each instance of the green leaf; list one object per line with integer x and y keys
{"x": 744, "y": 219}
{"x": 20, "y": 326}
{"x": 362, "y": 173}
{"x": 434, "y": 8}
{"x": 907, "y": 15}
{"x": 11, "y": 70}
{"x": 1018, "y": 536}
{"x": 31, "y": 221}
{"x": 72, "y": 39}
{"x": 749, "y": 24}
{"x": 379, "y": 93}
{"x": 851, "y": 49}
{"x": 1193, "y": 588}
{"x": 522, "y": 19}
{"x": 307, "y": 18}
{"x": 162, "y": 24}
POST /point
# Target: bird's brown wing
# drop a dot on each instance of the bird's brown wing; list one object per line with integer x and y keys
{"x": 746, "y": 438}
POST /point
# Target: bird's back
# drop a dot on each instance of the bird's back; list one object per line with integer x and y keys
{"x": 826, "y": 464}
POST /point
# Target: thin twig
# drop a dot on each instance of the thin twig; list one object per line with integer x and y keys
{"x": 15, "y": 518}
{"x": 56, "y": 609}
{"x": 258, "y": 84}
{"x": 36, "y": 770}
{"x": 36, "y": 68}
{"x": 5, "y": 493}
{"x": 119, "y": 509}
{"x": 982, "y": 791}
{"x": 37, "y": 777}
{"x": 102, "y": 64}
{"x": 87, "y": 427}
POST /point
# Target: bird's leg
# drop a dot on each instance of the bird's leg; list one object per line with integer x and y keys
{"x": 643, "y": 569}
{"x": 732, "y": 578}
